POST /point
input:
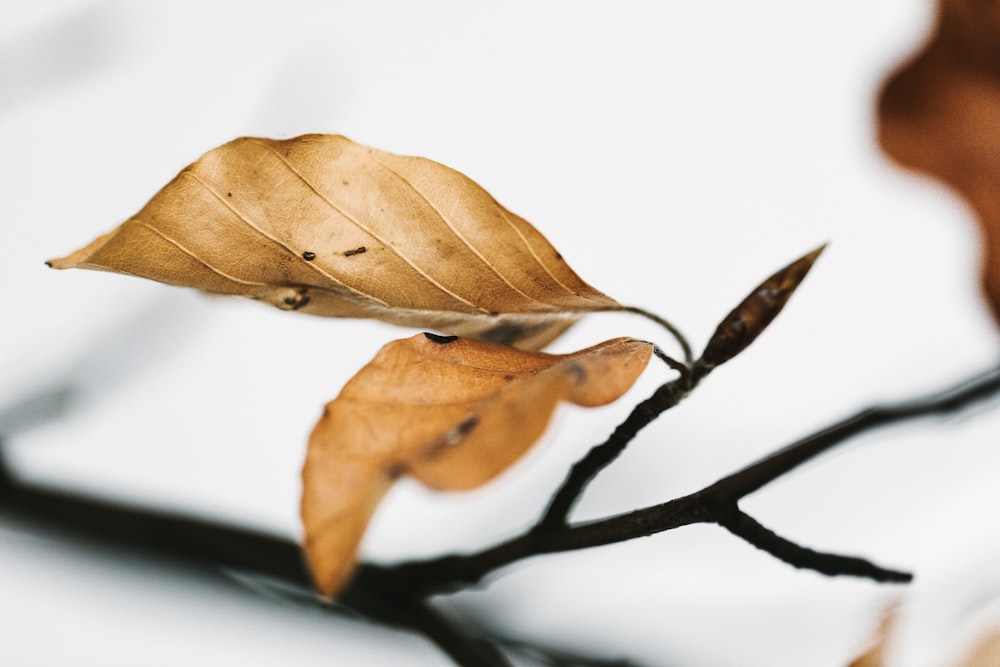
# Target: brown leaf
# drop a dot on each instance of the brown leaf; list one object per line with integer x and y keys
{"x": 326, "y": 226}
{"x": 452, "y": 412}
{"x": 875, "y": 655}
{"x": 749, "y": 319}
{"x": 984, "y": 652}
{"x": 940, "y": 114}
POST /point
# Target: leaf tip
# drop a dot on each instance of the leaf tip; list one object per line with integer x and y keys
{"x": 60, "y": 263}
{"x": 814, "y": 255}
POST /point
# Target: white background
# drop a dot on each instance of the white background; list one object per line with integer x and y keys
{"x": 675, "y": 153}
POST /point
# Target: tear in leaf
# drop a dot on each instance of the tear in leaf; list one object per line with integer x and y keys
{"x": 325, "y": 226}
{"x": 940, "y": 114}
{"x": 452, "y": 412}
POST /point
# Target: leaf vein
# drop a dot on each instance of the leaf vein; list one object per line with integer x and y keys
{"x": 456, "y": 232}
{"x": 364, "y": 228}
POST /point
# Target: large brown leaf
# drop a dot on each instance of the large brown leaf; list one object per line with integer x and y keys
{"x": 326, "y": 226}
{"x": 940, "y": 114}
{"x": 452, "y": 412}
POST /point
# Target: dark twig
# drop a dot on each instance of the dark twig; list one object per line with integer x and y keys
{"x": 379, "y": 599}
{"x": 463, "y": 649}
{"x": 600, "y": 456}
{"x": 153, "y": 533}
{"x": 753, "y": 477}
{"x": 678, "y": 366}
{"x": 191, "y": 542}
{"x": 749, "y": 529}
{"x": 387, "y": 594}
{"x": 713, "y": 504}
{"x": 741, "y": 327}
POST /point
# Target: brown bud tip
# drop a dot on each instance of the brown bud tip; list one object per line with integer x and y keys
{"x": 742, "y": 326}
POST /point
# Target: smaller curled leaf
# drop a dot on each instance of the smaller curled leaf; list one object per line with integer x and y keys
{"x": 452, "y": 412}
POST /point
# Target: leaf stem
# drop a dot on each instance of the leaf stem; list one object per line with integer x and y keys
{"x": 671, "y": 329}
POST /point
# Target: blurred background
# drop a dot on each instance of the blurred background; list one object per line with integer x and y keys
{"x": 675, "y": 153}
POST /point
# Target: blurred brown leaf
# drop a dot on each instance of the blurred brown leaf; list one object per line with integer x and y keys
{"x": 986, "y": 652}
{"x": 875, "y": 656}
{"x": 452, "y": 412}
{"x": 983, "y": 652}
{"x": 940, "y": 114}
{"x": 326, "y": 226}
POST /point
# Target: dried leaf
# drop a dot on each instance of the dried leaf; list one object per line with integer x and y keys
{"x": 452, "y": 412}
{"x": 749, "y": 319}
{"x": 984, "y": 651}
{"x": 940, "y": 114}
{"x": 326, "y": 226}
{"x": 875, "y": 655}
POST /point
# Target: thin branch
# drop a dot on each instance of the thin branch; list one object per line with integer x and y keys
{"x": 154, "y": 533}
{"x": 464, "y": 650}
{"x": 370, "y": 595}
{"x": 750, "y": 530}
{"x": 599, "y": 457}
{"x": 741, "y": 327}
{"x": 959, "y": 397}
{"x": 203, "y": 544}
{"x": 384, "y": 592}
{"x": 678, "y": 366}
{"x": 710, "y": 505}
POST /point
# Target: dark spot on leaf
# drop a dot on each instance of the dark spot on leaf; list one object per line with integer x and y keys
{"x": 452, "y": 437}
{"x": 578, "y": 372}
{"x": 508, "y": 378}
{"x": 509, "y": 332}
{"x": 229, "y": 194}
{"x": 48, "y": 264}
{"x": 559, "y": 256}
{"x": 308, "y": 256}
{"x": 345, "y": 183}
{"x": 395, "y": 471}
{"x": 466, "y": 427}
{"x": 296, "y": 301}
{"x": 357, "y": 251}
{"x": 440, "y": 340}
